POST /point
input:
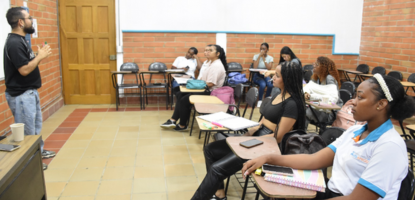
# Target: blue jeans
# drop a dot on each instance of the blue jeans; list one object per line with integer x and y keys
{"x": 26, "y": 110}
{"x": 263, "y": 82}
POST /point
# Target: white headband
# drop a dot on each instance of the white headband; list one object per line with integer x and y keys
{"x": 384, "y": 87}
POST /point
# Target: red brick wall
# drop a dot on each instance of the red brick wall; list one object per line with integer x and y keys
{"x": 388, "y": 35}
{"x": 241, "y": 48}
{"x": 45, "y": 11}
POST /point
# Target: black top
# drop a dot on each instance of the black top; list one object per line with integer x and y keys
{"x": 273, "y": 112}
{"x": 18, "y": 53}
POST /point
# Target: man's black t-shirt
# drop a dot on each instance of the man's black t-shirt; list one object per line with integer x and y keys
{"x": 18, "y": 53}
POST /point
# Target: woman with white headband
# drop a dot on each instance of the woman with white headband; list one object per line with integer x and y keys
{"x": 369, "y": 161}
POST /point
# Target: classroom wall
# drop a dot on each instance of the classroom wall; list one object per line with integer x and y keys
{"x": 45, "y": 11}
{"x": 388, "y": 35}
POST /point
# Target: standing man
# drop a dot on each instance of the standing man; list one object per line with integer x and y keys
{"x": 22, "y": 74}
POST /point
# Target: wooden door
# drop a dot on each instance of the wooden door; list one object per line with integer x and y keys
{"x": 87, "y": 35}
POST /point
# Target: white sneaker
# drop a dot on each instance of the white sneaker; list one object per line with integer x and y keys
{"x": 259, "y": 104}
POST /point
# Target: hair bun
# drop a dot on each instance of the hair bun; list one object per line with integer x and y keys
{"x": 404, "y": 108}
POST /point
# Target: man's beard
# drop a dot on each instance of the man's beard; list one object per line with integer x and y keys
{"x": 29, "y": 30}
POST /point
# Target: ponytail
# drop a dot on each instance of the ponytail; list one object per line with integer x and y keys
{"x": 222, "y": 56}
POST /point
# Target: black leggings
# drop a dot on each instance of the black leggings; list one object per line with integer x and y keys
{"x": 183, "y": 107}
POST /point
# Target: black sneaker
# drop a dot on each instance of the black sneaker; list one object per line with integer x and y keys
{"x": 169, "y": 124}
{"x": 48, "y": 154}
{"x": 217, "y": 198}
{"x": 45, "y": 166}
{"x": 178, "y": 128}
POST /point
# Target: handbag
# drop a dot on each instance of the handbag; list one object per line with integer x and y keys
{"x": 300, "y": 142}
{"x": 195, "y": 84}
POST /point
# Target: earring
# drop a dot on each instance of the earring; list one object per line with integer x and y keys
{"x": 377, "y": 108}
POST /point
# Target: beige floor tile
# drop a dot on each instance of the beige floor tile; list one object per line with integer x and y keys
{"x": 53, "y": 198}
{"x": 181, "y": 195}
{"x": 128, "y": 143}
{"x": 121, "y": 161}
{"x": 198, "y": 158}
{"x": 176, "y": 149}
{"x": 104, "y": 136}
{"x": 177, "y": 159}
{"x": 179, "y": 170}
{"x": 128, "y": 129}
{"x": 153, "y": 171}
{"x": 97, "y": 152}
{"x": 129, "y": 122}
{"x": 84, "y": 130}
{"x": 200, "y": 169}
{"x": 87, "y": 174}
{"x": 126, "y": 151}
{"x": 77, "y": 198}
{"x": 86, "y": 136}
{"x": 89, "y": 162}
{"x": 113, "y": 129}
{"x": 54, "y": 189}
{"x": 81, "y": 188}
{"x": 109, "y": 187}
{"x": 149, "y": 135}
{"x": 92, "y": 124}
{"x": 148, "y": 160}
{"x": 183, "y": 183}
{"x": 61, "y": 162}
{"x": 149, "y": 185}
{"x": 114, "y": 197}
{"x": 195, "y": 140}
{"x": 173, "y": 141}
{"x": 76, "y": 144}
{"x": 195, "y": 148}
{"x": 152, "y": 196}
{"x": 100, "y": 143}
{"x": 171, "y": 134}
{"x": 109, "y": 123}
{"x": 126, "y": 135}
{"x": 149, "y": 150}
{"x": 150, "y": 128}
{"x": 149, "y": 142}
{"x": 118, "y": 173}
{"x": 56, "y": 175}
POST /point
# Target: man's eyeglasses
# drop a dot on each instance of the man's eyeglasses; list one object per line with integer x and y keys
{"x": 31, "y": 18}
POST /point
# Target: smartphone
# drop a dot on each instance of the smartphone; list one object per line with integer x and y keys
{"x": 273, "y": 169}
{"x": 251, "y": 143}
{"x": 8, "y": 147}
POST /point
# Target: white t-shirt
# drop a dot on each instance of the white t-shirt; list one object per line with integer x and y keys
{"x": 379, "y": 162}
{"x": 182, "y": 62}
{"x": 261, "y": 64}
{"x": 202, "y": 69}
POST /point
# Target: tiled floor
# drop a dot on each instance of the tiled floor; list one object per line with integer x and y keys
{"x": 107, "y": 154}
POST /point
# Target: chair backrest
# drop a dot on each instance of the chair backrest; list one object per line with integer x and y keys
{"x": 238, "y": 91}
{"x": 406, "y": 192}
{"x": 157, "y": 66}
{"x": 396, "y": 74}
{"x": 307, "y": 75}
{"x": 331, "y": 134}
{"x": 251, "y": 100}
{"x": 308, "y": 67}
{"x": 129, "y": 66}
{"x": 264, "y": 102}
{"x": 234, "y": 66}
{"x": 379, "y": 70}
{"x": 275, "y": 91}
{"x": 363, "y": 68}
{"x": 345, "y": 95}
{"x": 411, "y": 78}
{"x": 348, "y": 85}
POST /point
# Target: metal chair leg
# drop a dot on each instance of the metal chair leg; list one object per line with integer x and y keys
{"x": 193, "y": 121}
{"x": 245, "y": 187}
{"x": 257, "y": 195}
{"x": 227, "y": 185}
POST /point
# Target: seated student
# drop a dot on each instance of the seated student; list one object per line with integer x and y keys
{"x": 283, "y": 113}
{"x": 188, "y": 63}
{"x": 324, "y": 73}
{"x": 202, "y": 66}
{"x": 369, "y": 161}
{"x": 263, "y": 61}
{"x": 214, "y": 76}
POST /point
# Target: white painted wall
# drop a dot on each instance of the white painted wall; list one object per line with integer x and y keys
{"x": 4, "y": 31}
{"x": 340, "y": 18}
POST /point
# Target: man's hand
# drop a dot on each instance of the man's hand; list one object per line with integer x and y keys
{"x": 43, "y": 52}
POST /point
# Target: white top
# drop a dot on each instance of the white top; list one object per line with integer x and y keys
{"x": 261, "y": 64}
{"x": 182, "y": 62}
{"x": 203, "y": 68}
{"x": 215, "y": 73}
{"x": 379, "y": 162}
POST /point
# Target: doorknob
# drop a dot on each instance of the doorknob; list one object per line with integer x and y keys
{"x": 113, "y": 57}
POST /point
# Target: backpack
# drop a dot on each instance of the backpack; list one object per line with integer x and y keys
{"x": 300, "y": 142}
{"x": 236, "y": 78}
{"x": 225, "y": 94}
{"x": 344, "y": 117}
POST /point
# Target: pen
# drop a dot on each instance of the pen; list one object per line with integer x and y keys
{"x": 207, "y": 126}
{"x": 217, "y": 124}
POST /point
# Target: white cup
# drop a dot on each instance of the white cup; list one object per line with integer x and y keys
{"x": 325, "y": 100}
{"x": 17, "y": 132}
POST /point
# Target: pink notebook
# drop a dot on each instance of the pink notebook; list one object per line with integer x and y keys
{"x": 307, "y": 179}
